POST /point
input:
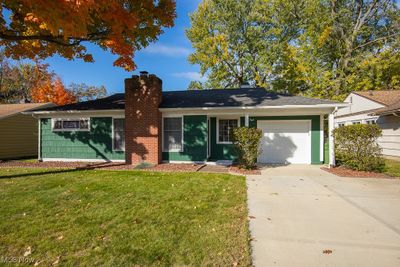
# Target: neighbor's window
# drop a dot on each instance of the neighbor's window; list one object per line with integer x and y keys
{"x": 225, "y": 127}
{"x": 71, "y": 125}
{"x": 356, "y": 122}
{"x": 371, "y": 121}
{"x": 172, "y": 135}
{"x": 341, "y": 124}
{"x": 119, "y": 134}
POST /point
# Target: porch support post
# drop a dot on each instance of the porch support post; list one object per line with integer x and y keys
{"x": 331, "y": 141}
{"x": 246, "y": 120}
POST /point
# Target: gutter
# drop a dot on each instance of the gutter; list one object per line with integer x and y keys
{"x": 260, "y": 107}
{"x": 73, "y": 111}
{"x": 197, "y": 108}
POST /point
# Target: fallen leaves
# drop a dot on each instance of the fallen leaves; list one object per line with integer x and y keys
{"x": 327, "y": 251}
{"x": 28, "y": 251}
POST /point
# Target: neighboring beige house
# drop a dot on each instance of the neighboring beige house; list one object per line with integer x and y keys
{"x": 370, "y": 107}
{"x": 19, "y": 132}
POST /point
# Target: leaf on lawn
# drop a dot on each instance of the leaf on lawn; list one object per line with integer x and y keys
{"x": 61, "y": 237}
{"x": 56, "y": 261}
{"x": 28, "y": 251}
{"x": 234, "y": 263}
{"x": 327, "y": 251}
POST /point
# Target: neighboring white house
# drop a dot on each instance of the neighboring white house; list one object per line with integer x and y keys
{"x": 370, "y": 107}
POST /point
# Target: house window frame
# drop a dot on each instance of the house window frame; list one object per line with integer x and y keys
{"x": 112, "y": 133}
{"x": 355, "y": 122}
{"x": 53, "y": 121}
{"x": 341, "y": 124}
{"x": 182, "y": 135}
{"x": 217, "y": 131}
{"x": 371, "y": 121}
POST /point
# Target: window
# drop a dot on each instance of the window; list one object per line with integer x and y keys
{"x": 371, "y": 121}
{"x": 225, "y": 127}
{"x": 119, "y": 134}
{"x": 341, "y": 124}
{"x": 356, "y": 122}
{"x": 172, "y": 134}
{"x": 71, "y": 125}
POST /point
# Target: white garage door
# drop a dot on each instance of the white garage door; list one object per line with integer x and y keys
{"x": 285, "y": 141}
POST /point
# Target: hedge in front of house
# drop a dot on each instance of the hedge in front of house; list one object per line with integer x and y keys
{"x": 356, "y": 147}
{"x": 247, "y": 144}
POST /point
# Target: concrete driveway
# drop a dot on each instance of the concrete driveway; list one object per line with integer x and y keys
{"x": 303, "y": 216}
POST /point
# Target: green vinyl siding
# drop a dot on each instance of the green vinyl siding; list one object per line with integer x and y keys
{"x": 315, "y": 131}
{"x": 95, "y": 144}
{"x": 194, "y": 140}
{"x": 220, "y": 151}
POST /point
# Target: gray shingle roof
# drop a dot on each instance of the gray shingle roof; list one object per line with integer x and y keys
{"x": 243, "y": 97}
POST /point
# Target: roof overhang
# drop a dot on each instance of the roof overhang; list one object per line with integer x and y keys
{"x": 53, "y": 113}
{"x": 388, "y": 112}
{"x": 317, "y": 106}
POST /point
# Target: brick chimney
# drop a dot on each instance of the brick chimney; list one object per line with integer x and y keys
{"x": 143, "y": 119}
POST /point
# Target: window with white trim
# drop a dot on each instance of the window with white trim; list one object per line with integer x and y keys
{"x": 172, "y": 134}
{"x": 71, "y": 124}
{"x": 225, "y": 127}
{"x": 341, "y": 124}
{"x": 119, "y": 134}
{"x": 356, "y": 122}
{"x": 373, "y": 121}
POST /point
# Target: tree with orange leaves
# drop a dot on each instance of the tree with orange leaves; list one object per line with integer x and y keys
{"x": 42, "y": 28}
{"x": 52, "y": 91}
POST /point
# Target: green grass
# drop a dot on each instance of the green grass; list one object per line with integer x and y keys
{"x": 392, "y": 168}
{"x": 124, "y": 218}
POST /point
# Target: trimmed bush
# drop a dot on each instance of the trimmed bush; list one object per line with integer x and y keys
{"x": 357, "y": 149}
{"x": 247, "y": 144}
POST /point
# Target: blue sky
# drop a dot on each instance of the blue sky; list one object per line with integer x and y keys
{"x": 167, "y": 58}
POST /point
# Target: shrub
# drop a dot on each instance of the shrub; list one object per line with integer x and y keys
{"x": 356, "y": 147}
{"x": 247, "y": 144}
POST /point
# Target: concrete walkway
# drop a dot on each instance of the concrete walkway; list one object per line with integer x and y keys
{"x": 303, "y": 216}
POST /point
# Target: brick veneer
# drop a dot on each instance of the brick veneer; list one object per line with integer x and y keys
{"x": 143, "y": 119}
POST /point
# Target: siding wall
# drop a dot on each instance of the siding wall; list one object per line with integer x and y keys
{"x": 357, "y": 104}
{"x": 95, "y": 144}
{"x": 390, "y": 140}
{"x": 18, "y": 137}
{"x": 194, "y": 140}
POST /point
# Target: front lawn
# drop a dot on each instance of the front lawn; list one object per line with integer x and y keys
{"x": 123, "y": 218}
{"x": 392, "y": 168}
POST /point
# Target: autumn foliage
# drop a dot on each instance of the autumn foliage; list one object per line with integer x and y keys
{"x": 52, "y": 91}
{"x": 42, "y": 28}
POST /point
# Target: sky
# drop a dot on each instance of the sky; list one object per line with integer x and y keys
{"x": 166, "y": 58}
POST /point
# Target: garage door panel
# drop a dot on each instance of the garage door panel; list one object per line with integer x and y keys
{"x": 285, "y": 142}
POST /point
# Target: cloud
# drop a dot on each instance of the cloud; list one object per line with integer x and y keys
{"x": 190, "y": 75}
{"x": 167, "y": 50}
